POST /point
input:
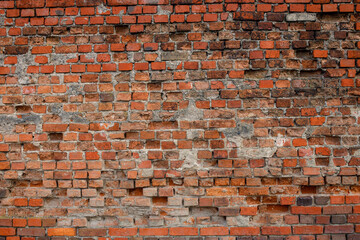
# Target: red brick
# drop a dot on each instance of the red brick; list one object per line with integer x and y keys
{"x": 122, "y": 2}
{"x": 245, "y": 231}
{"x": 122, "y": 231}
{"x": 153, "y": 231}
{"x": 183, "y": 231}
{"x": 274, "y": 230}
{"x": 339, "y": 229}
{"x": 61, "y": 232}
{"x": 305, "y": 210}
{"x": 299, "y": 230}
{"x": 60, "y": 3}
{"x": 214, "y": 231}
{"x": 37, "y": 232}
{"x": 92, "y": 232}
{"x": 7, "y": 231}
{"x": 30, "y": 3}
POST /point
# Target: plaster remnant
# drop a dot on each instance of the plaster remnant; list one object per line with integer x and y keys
{"x": 174, "y": 56}
{"x": 103, "y": 9}
{"x": 75, "y": 117}
{"x": 190, "y": 159}
{"x": 280, "y": 141}
{"x": 357, "y": 153}
{"x": 238, "y": 221}
{"x": 242, "y": 130}
{"x": 191, "y": 113}
{"x": 7, "y": 123}
{"x": 21, "y": 69}
{"x": 256, "y": 152}
{"x": 237, "y": 135}
{"x": 355, "y": 111}
{"x": 301, "y": 17}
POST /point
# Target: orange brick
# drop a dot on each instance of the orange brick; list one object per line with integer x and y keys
{"x": 61, "y": 232}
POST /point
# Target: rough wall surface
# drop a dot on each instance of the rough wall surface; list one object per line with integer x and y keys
{"x": 179, "y": 119}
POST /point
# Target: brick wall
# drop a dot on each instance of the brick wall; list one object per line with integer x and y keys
{"x": 179, "y": 119}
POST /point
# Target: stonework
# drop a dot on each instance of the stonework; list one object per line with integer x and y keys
{"x": 179, "y": 119}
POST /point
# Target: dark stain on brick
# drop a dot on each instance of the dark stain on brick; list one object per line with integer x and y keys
{"x": 16, "y": 50}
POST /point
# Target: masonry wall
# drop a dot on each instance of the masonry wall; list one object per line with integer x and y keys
{"x": 179, "y": 119}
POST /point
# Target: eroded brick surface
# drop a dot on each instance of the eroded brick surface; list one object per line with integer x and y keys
{"x": 179, "y": 119}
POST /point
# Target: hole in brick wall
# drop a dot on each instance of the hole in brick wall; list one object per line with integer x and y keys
{"x": 269, "y": 199}
{"x": 305, "y": 92}
{"x": 303, "y": 54}
{"x": 203, "y": 211}
{"x": 37, "y": 183}
{"x": 22, "y": 183}
{"x": 255, "y": 74}
{"x": 23, "y": 109}
{"x": 332, "y": 17}
{"x": 311, "y": 73}
{"x": 160, "y": 201}
{"x": 253, "y": 200}
{"x": 136, "y": 192}
{"x": 273, "y": 208}
{"x": 121, "y": 29}
{"x": 308, "y": 189}
{"x": 56, "y": 136}
{"x": 322, "y": 161}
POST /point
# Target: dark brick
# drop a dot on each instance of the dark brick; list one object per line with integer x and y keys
{"x": 339, "y": 237}
{"x": 321, "y": 200}
{"x": 106, "y": 97}
{"x": 353, "y": 236}
{"x": 304, "y": 201}
{"x": 248, "y": 16}
{"x": 275, "y": 17}
{"x": 304, "y": 219}
{"x": 3, "y": 193}
{"x": 18, "y": 50}
{"x": 338, "y": 219}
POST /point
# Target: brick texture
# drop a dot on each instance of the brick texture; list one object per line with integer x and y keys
{"x": 179, "y": 119}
